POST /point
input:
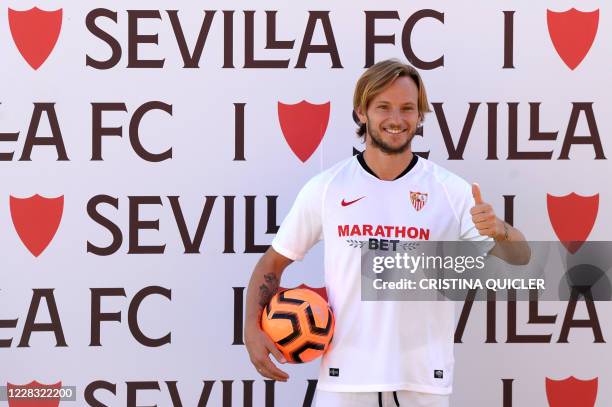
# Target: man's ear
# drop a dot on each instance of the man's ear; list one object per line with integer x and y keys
{"x": 360, "y": 115}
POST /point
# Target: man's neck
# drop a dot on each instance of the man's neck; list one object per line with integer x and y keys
{"x": 387, "y": 166}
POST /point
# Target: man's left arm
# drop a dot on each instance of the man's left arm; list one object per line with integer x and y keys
{"x": 510, "y": 244}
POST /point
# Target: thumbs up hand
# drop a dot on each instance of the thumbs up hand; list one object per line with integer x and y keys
{"x": 484, "y": 217}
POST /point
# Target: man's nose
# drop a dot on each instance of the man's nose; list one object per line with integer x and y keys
{"x": 395, "y": 116}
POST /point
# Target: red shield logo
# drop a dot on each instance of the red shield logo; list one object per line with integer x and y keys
{"x": 571, "y": 392}
{"x": 303, "y": 125}
{"x": 572, "y": 33}
{"x": 36, "y": 220}
{"x": 418, "y": 199}
{"x": 35, "y": 33}
{"x": 572, "y": 218}
{"x": 19, "y": 395}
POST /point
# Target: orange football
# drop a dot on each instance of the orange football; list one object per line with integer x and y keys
{"x": 300, "y": 323}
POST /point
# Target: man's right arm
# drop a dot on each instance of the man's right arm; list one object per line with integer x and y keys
{"x": 301, "y": 229}
{"x": 264, "y": 283}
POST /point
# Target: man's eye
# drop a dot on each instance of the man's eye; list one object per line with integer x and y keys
{"x": 408, "y": 109}
{"x": 382, "y": 107}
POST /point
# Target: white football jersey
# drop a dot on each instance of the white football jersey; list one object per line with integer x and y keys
{"x": 380, "y": 345}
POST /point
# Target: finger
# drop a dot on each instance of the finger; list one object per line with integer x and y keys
{"x": 271, "y": 371}
{"x": 265, "y": 372}
{"x": 476, "y": 194}
{"x": 269, "y": 375}
{"x": 478, "y": 209}
{"x": 482, "y": 208}
{"x": 483, "y": 217}
{"x": 278, "y": 355}
{"x": 264, "y": 369}
{"x": 487, "y": 232}
{"x": 478, "y": 219}
{"x": 483, "y": 227}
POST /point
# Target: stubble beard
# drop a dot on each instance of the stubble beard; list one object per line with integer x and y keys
{"x": 379, "y": 143}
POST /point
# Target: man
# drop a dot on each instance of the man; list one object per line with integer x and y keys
{"x": 383, "y": 352}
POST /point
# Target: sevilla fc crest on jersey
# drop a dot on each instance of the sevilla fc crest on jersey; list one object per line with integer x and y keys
{"x": 41, "y": 394}
{"x": 571, "y": 392}
{"x": 572, "y": 33}
{"x": 35, "y": 33}
{"x": 418, "y": 199}
{"x": 303, "y": 125}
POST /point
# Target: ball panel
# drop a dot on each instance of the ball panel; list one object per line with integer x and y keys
{"x": 277, "y": 328}
{"x": 291, "y": 296}
{"x": 320, "y": 328}
{"x": 296, "y": 330}
{"x": 307, "y": 352}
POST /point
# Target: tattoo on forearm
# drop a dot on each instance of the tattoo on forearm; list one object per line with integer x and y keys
{"x": 268, "y": 289}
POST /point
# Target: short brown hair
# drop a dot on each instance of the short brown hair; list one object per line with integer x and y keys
{"x": 376, "y": 78}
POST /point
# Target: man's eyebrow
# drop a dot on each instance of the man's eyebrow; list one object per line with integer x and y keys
{"x": 384, "y": 102}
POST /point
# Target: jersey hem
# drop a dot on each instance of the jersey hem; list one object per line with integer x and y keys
{"x": 421, "y": 388}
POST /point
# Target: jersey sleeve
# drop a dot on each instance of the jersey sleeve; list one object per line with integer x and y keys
{"x": 302, "y": 227}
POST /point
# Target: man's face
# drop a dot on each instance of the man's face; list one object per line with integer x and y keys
{"x": 392, "y": 117}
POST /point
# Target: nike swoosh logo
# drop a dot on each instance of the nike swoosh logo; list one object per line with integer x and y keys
{"x": 344, "y": 203}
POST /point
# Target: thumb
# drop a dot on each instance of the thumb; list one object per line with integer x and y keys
{"x": 476, "y": 194}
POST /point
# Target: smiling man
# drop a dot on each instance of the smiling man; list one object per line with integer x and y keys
{"x": 383, "y": 353}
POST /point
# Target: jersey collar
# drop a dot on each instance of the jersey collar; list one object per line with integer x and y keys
{"x": 363, "y": 164}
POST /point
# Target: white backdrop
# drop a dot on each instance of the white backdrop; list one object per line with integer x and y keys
{"x": 202, "y": 134}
